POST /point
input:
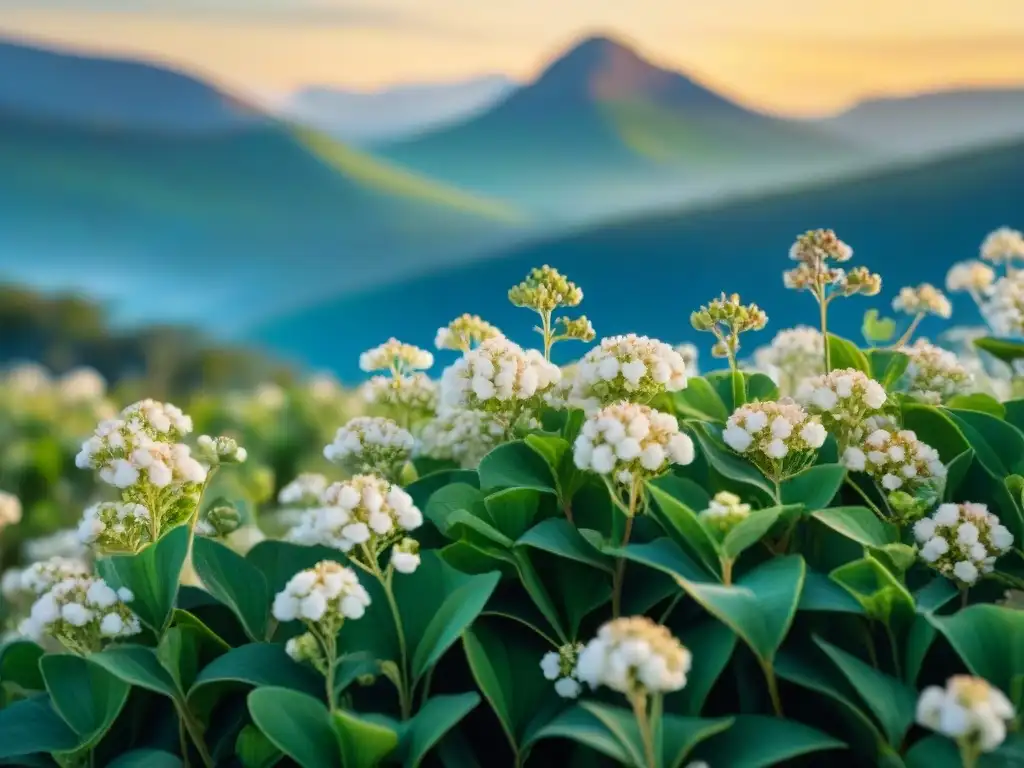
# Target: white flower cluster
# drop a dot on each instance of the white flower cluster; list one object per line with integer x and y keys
{"x": 38, "y": 578}
{"x": 627, "y": 367}
{"x": 896, "y": 459}
{"x": 793, "y": 355}
{"x": 634, "y": 655}
{"x": 778, "y": 437}
{"x": 405, "y": 556}
{"x": 498, "y": 376}
{"x": 560, "y": 666}
{"x": 220, "y": 450}
{"x": 1003, "y": 246}
{"x": 934, "y": 374}
{"x": 724, "y": 512}
{"x": 969, "y": 710}
{"x": 1004, "y": 309}
{"x": 82, "y": 385}
{"x": 368, "y": 444}
{"x": 10, "y": 509}
{"x": 62, "y": 543}
{"x": 925, "y": 299}
{"x": 462, "y": 436}
{"x": 396, "y": 357}
{"x": 157, "y": 419}
{"x": 962, "y": 541}
{"x": 365, "y": 510}
{"x": 81, "y": 612}
{"x": 324, "y": 595}
{"x": 416, "y": 392}
{"x": 630, "y": 442}
{"x": 27, "y": 378}
{"x": 690, "y": 355}
{"x": 465, "y": 332}
{"x": 844, "y": 399}
{"x": 305, "y": 490}
{"x": 971, "y": 276}
{"x": 116, "y": 525}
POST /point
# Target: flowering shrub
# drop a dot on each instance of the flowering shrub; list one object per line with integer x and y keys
{"x": 617, "y": 561}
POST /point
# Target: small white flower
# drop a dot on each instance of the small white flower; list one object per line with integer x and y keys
{"x": 628, "y": 367}
{"x": 779, "y": 437}
{"x": 962, "y": 541}
{"x": 498, "y": 377}
{"x": 395, "y": 356}
{"x": 934, "y": 374}
{"x": 631, "y": 653}
{"x": 322, "y": 597}
{"x": 608, "y": 443}
{"x": 968, "y": 709}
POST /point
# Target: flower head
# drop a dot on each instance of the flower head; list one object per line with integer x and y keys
{"x": 628, "y": 442}
{"x": 627, "y": 367}
{"x": 38, "y": 578}
{"x": 779, "y": 437}
{"x": 634, "y": 655}
{"x": 560, "y": 667}
{"x": 793, "y": 355}
{"x": 465, "y": 332}
{"x": 1004, "y": 309}
{"x": 499, "y": 376}
{"x": 220, "y": 450}
{"x": 816, "y": 251}
{"x": 116, "y": 526}
{"x": 934, "y": 374}
{"x": 726, "y": 317}
{"x": 322, "y": 597}
{"x": 371, "y": 444}
{"x": 160, "y": 421}
{"x": 82, "y": 385}
{"x": 690, "y": 355}
{"x": 463, "y": 436}
{"x": 405, "y": 555}
{"x": 414, "y": 394}
{"x": 844, "y": 399}
{"x": 10, "y": 509}
{"x": 816, "y": 246}
{"x": 724, "y": 513}
{"x": 924, "y": 299}
{"x": 304, "y": 491}
{"x": 396, "y": 357}
{"x": 1003, "y": 246}
{"x": 544, "y": 290}
{"x": 962, "y": 541}
{"x": 897, "y": 460}
{"x": 969, "y": 710}
{"x": 82, "y": 613}
{"x": 970, "y": 276}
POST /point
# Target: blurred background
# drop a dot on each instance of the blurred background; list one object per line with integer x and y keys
{"x": 210, "y": 200}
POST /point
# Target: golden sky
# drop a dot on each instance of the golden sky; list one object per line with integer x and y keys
{"x": 791, "y": 56}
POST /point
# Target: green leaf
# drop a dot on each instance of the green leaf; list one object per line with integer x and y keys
{"x": 278, "y": 561}
{"x": 977, "y": 401}
{"x": 756, "y": 386}
{"x": 30, "y": 726}
{"x": 19, "y": 664}
{"x": 515, "y": 465}
{"x": 711, "y": 644}
{"x": 935, "y": 427}
{"x": 989, "y": 639}
{"x": 887, "y": 366}
{"x": 725, "y": 462}
{"x": 137, "y": 665}
{"x": 877, "y": 329}
{"x": 581, "y": 725}
{"x": 557, "y": 452}
{"x": 88, "y": 697}
{"x": 1007, "y": 350}
{"x": 146, "y": 758}
{"x": 152, "y": 575}
{"x": 750, "y": 531}
{"x": 859, "y": 524}
{"x": 878, "y": 591}
{"x": 956, "y": 472}
{"x": 998, "y": 445}
{"x": 757, "y": 741}
{"x": 891, "y": 702}
{"x": 820, "y": 593}
{"x": 513, "y": 510}
{"x": 234, "y": 581}
{"x": 254, "y": 750}
{"x": 682, "y": 523}
{"x": 680, "y": 735}
{"x": 845, "y": 354}
{"x": 700, "y": 401}
{"x": 814, "y": 487}
{"x": 666, "y": 556}
{"x": 446, "y": 501}
{"x": 296, "y": 724}
{"x": 364, "y": 744}
{"x": 435, "y": 719}
{"x": 257, "y": 664}
{"x": 560, "y": 537}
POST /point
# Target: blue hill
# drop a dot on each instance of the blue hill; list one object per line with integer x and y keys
{"x": 647, "y": 274}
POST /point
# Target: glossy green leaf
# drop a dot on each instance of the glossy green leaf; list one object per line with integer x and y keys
{"x": 935, "y": 427}
{"x": 278, "y": 561}
{"x": 756, "y": 386}
{"x": 700, "y": 401}
{"x": 756, "y": 741}
{"x": 750, "y": 531}
{"x": 254, "y": 750}
{"x": 515, "y": 465}
{"x": 19, "y": 665}
{"x": 724, "y": 461}
{"x": 433, "y": 721}
{"x": 257, "y": 664}
{"x": 137, "y": 665}
{"x": 845, "y": 354}
{"x": 680, "y": 735}
{"x": 887, "y": 366}
{"x": 814, "y": 487}
{"x": 296, "y": 724}
{"x": 880, "y": 593}
{"x": 31, "y": 725}
{"x": 87, "y": 696}
{"x": 580, "y": 724}
{"x": 560, "y": 537}
{"x": 711, "y": 644}
{"x": 989, "y": 639}
{"x": 681, "y": 522}
{"x": 146, "y": 758}
{"x": 998, "y": 445}
{"x": 822, "y": 594}
{"x": 152, "y": 575}
{"x": 977, "y": 401}
{"x": 236, "y": 582}
{"x": 1007, "y": 350}
{"x": 513, "y": 510}
{"x": 446, "y": 501}
{"x": 364, "y": 744}
{"x": 859, "y": 524}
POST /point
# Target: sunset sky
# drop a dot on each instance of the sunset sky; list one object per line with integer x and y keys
{"x": 792, "y": 56}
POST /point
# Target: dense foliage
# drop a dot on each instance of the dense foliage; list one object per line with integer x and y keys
{"x": 618, "y": 562}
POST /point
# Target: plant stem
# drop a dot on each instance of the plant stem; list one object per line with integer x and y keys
{"x": 867, "y": 499}
{"x": 546, "y": 320}
{"x": 620, "y": 566}
{"x": 671, "y": 607}
{"x": 643, "y": 722}
{"x": 726, "y": 571}
{"x": 194, "y": 733}
{"x": 773, "y": 687}
{"x": 905, "y": 338}
{"x": 823, "y": 307}
{"x": 897, "y": 667}
{"x": 404, "y": 694}
{"x": 777, "y": 495}
{"x": 968, "y": 754}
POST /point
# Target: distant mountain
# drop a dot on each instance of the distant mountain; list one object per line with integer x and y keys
{"x": 933, "y": 122}
{"x": 223, "y": 227}
{"x": 366, "y": 117}
{"x": 646, "y": 274}
{"x": 601, "y": 125}
{"x": 47, "y": 84}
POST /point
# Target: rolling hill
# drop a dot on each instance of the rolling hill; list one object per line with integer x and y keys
{"x": 48, "y": 84}
{"x": 601, "y": 124}
{"x": 646, "y": 274}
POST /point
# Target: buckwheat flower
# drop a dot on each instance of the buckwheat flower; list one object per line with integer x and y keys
{"x": 162, "y": 421}
{"x": 793, "y": 355}
{"x": 1004, "y": 309}
{"x": 968, "y": 710}
{"x": 323, "y": 598}
{"x": 925, "y": 299}
{"x": 778, "y": 437}
{"x": 974, "y": 277}
{"x": 560, "y": 668}
{"x": 82, "y": 385}
{"x": 405, "y": 556}
{"x": 933, "y": 374}
{"x": 116, "y": 526}
{"x": 465, "y": 332}
{"x": 819, "y": 245}
{"x": 724, "y": 512}
{"x": 82, "y": 613}
{"x": 305, "y": 490}
{"x": 463, "y": 436}
{"x": 844, "y": 400}
{"x": 415, "y": 393}
{"x": 10, "y": 509}
{"x": 1003, "y": 246}
{"x": 396, "y": 357}
{"x": 366, "y": 514}
{"x": 371, "y": 444}
{"x": 499, "y": 377}
{"x": 544, "y": 290}
{"x": 38, "y": 578}
{"x": 634, "y": 655}
{"x": 628, "y": 443}
{"x": 628, "y": 367}
{"x": 962, "y": 541}
{"x": 220, "y": 450}
{"x": 726, "y": 318}
{"x": 897, "y": 460}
